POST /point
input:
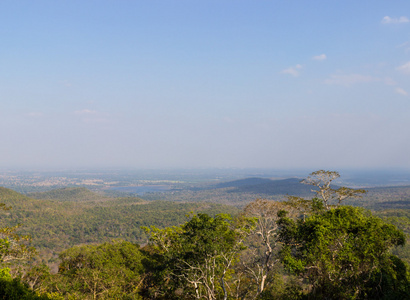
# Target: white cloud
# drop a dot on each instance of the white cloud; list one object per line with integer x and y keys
{"x": 405, "y": 46}
{"x": 389, "y": 81}
{"x": 319, "y": 57}
{"x": 388, "y": 20}
{"x": 35, "y": 114}
{"x": 401, "y": 91}
{"x": 294, "y": 71}
{"x": 92, "y": 116}
{"x": 404, "y": 68}
{"x": 348, "y": 80}
{"x": 86, "y": 112}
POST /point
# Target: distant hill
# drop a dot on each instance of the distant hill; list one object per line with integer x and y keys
{"x": 242, "y": 183}
{"x": 76, "y": 194}
{"x": 290, "y": 186}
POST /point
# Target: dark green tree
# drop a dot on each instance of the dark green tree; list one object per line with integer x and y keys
{"x": 14, "y": 289}
{"x": 344, "y": 254}
{"x": 106, "y": 271}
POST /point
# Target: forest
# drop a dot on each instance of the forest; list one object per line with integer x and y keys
{"x": 72, "y": 243}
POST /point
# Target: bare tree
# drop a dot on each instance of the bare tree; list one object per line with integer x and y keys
{"x": 263, "y": 244}
{"x": 323, "y": 179}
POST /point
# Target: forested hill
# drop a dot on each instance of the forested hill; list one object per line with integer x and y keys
{"x": 14, "y": 199}
{"x": 242, "y": 183}
{"x": 69, "y": 194}
{"x": 8, "y": 194}
{"x": 63, "y": 222}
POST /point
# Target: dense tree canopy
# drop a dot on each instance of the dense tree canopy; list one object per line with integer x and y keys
{"x": 106, "y": 271}
{"x": 342, "y": 252}
{"x": 200, "y": 255}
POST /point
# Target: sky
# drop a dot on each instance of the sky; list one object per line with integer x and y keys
{"x": 205, "y": 84}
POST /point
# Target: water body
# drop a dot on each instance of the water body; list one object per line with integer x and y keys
{"x": 141, "y": 189}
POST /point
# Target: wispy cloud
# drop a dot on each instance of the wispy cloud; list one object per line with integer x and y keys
{"x": 86, "y": 112}
{"x": 405, "y": 46}
{"x": 351, "y": 79}
{"x": 294, "y": 71}
{"x": 405, "y": 68}
{"x": 401, "y": 91}
{"x": 389, "y": 81}
{"x": 320, "y": 57}
{"x": 35, "y": 114}
{"x": 389, "y": 20}
{"x": 92, "y": 116}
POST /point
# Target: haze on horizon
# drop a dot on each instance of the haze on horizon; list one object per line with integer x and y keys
{"x": 205, "y": 84}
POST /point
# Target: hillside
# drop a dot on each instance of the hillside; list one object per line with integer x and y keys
{"x": 56, "y": 225}
{"x": 61, "y": 218}
{"x": 242, "y": 183}
{"x": 10, "y": 197}
{"x": 77, "y": 194}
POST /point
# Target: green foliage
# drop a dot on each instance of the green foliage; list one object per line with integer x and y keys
{"x": 281, "y": 289}
{"x": 339, "y": 250}
{"x": 401, "y": 219}
{"x": 38, "y": 277}
{"x": 73, "y": 194}
{"x": 198, "y": 257}
{"x": 57, "y": 225}
{"x": 392, "y": 281}
{"x": 13, "y": 246}
{"x": 105, "y": 271}
{"x": 14, "y": 289}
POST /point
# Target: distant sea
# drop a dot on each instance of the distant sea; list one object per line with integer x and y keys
{"x": 141, "y": 190}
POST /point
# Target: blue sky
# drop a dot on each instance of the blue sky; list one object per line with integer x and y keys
{"x": 187, "y": 84}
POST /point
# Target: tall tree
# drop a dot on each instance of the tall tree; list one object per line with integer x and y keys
{"x": 200, "y": 256}
{"x": 322, "y": 180}
{"x": 263, "y": 244}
